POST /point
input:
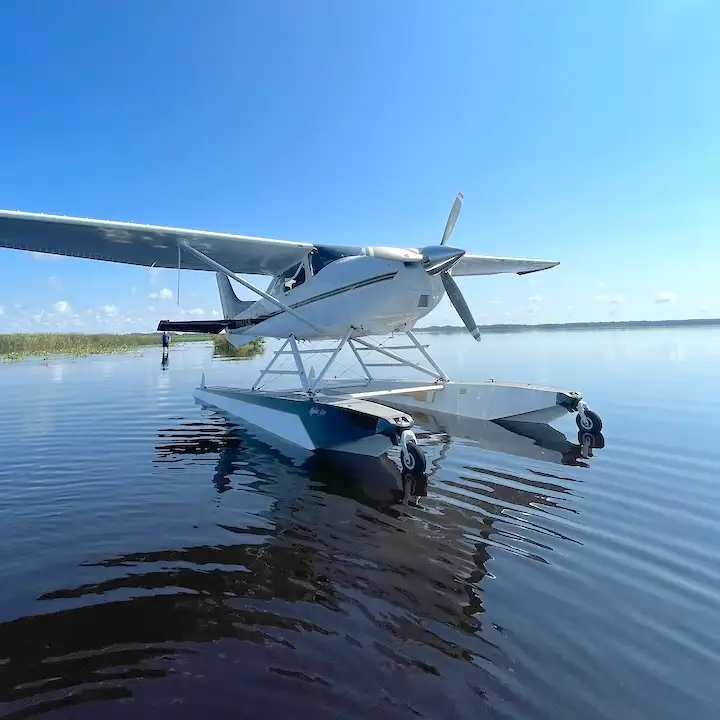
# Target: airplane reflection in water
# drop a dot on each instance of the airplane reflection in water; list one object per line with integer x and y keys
{"x": 535, "y": 441}
{"x": 337, "y": 573}
{"x": 374, "y": 480}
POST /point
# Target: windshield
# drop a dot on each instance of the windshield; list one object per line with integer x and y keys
{"x": 322, "y": 257}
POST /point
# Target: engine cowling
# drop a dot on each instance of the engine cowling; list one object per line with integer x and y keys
{"x": 383, "y": 252}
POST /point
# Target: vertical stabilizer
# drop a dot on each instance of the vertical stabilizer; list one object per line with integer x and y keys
{"x": 231, "y": 305}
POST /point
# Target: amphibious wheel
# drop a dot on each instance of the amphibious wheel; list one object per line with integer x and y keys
{"x": 588, "y": 421}
{"x": 413, "y": 458}
{"x": 592, "y": 440}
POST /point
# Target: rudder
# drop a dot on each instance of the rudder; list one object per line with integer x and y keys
{"x": 231, "y": 305}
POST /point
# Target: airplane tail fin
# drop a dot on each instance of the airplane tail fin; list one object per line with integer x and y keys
{"x": 231, "y": 305}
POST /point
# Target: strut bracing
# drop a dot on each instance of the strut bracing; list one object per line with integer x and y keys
{"x": 363, "y": 351}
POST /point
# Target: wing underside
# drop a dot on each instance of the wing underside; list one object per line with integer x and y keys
{"x": 147, "y": 245}
{"x": 488, "y": 265}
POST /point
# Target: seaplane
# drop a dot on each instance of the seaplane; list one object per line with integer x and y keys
{"x": 344, "y": 297}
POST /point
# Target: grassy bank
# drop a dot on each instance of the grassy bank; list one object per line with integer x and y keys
{"x": 223, "y": 348}
{"x": 44, "y": 344}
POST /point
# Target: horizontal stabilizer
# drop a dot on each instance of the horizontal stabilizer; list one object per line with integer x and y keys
{"x": 213, "y": 327}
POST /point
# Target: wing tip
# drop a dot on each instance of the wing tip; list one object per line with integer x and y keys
{"x": 546, "y": 266}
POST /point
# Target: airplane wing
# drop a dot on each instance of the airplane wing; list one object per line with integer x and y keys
{"x": 488, "y": 265}
{"x": 147, "y": 245}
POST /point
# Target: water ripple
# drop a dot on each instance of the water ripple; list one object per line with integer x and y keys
{"x": 156, "y": 556}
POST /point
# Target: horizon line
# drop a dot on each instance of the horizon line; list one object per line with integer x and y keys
{"x": 575, "y": 324}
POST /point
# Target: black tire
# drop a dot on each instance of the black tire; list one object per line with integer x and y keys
{"x": 414, "y": 459}
{"x": 594, "y": 440}
{"x": 595, "y": 423}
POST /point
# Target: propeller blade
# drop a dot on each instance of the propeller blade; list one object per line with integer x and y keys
{"x": 458, "y": 301}
{"x": 452, "y": 218}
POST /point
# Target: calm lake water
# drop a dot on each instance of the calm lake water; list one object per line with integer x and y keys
{"x": 159, "y": 562}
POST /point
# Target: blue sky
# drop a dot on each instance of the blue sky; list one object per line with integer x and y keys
{"x": 583, "y": 132}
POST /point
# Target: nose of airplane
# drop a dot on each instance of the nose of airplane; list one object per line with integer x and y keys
{"x": 437, "y": 258}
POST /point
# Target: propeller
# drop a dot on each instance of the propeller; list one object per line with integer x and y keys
{"x": 436, "y": 260}
{"x": 440, "y": 258}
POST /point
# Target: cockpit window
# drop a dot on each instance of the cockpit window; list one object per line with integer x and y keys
{"x": 296, "y": 275}
{"x": 322, "y": 257}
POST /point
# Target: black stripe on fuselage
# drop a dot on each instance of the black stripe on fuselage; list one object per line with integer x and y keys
{"x": 240, "y": 324}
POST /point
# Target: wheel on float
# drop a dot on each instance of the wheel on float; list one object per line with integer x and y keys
{"x": 413, "y": 458}
{"x": 591, "y": 423}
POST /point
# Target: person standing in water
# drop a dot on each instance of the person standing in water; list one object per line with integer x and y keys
{"x": 165, "y": 341}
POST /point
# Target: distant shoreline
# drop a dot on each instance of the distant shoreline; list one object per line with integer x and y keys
{"x": 15, "y": 346}
{"x": 18, "y": 346}
{"x": 542, "y": 327}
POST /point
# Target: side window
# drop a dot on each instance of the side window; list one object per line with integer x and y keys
{"x": 296, "y": 275}
{"x": 293, "y": 277}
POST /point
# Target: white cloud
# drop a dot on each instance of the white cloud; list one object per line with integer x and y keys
{"x": 197, "y": 312}
{"x": 46, "y": 256}
{"x": 54, "y": 282}
{"x": 535, "y": 298}
{"x": 109, "y": 309}
{"x": 62, "y": 307}
{"x": 215, "y": 313}
{"x": 133, "y": 290}
{"x": 494, "y": 302}
{"x": 2, "y": 309}
{"x": 665, "y": 297}
{"x": 164, "y": 294}
{"x": 612, "y": 299}
{"x": 151, "y": 308}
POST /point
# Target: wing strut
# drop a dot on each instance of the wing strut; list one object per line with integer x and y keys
{"x": 220, "y": 268}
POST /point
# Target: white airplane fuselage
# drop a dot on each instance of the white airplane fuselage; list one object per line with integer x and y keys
{"x": 371, "y": 295}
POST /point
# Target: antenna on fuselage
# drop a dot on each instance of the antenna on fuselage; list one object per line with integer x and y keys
{"x": 178, "y": 282}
